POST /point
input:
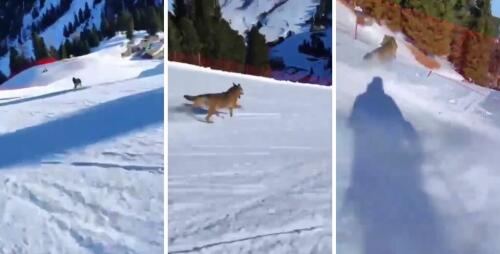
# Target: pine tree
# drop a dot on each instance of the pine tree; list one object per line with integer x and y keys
{"x": 17, "y": 61}
{"x": 76, "y": 21}
{"x": 53, "y": 52}
{"x": 65, "y": 31}
{"x": 130, "y": 29}
{"x": 179, "y": 9}
{"x": 138, "y": 19}
{"x": 231, "y": 45}
{"x": 93, "y": 37}
{"x": 81, "y": 17}
{"x": 104, "y": 28}
{"x": 107, "y": 27}
{"x": 39, "y": 47}
{"x": 87, "y": 12}
{"x": 206, "y": 23}
{"x": 3, "y": 78}
{"x": 153, "y": 21}
{"x": 257, "y": 52}
{"x": 123, "y": 20}
{"x": 85, "y": 47}
{"x": 190, "y": 41}
{"x": 70, "y": 28}
{"x": 68, "y": 47}
{"x": 62, "y": 52}
{"x": 174, "y": 38}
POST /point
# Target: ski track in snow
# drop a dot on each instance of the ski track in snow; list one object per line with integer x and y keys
{"x": 82, "y": 170}
{"x": 257, "y": 182}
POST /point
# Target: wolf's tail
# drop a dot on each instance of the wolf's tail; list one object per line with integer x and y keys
{"x": 189, "y": 97}
{"x": 369, "y": 55}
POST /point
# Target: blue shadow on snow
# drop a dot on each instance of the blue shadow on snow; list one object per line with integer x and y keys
{"x": 385, "y": 193}
{"x": 101, "y": 122}
{"x": 157, "y": 70}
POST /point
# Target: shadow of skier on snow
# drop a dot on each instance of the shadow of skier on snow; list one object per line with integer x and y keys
{"x": 385, "y": 192}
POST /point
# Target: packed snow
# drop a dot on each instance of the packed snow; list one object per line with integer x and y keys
{"x": 259, "y": 181}
{"x": 416, "y": 155}
{"x": 82, "y": 169}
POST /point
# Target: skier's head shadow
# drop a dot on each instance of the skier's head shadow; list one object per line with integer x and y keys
{"x": 386, "y": 193}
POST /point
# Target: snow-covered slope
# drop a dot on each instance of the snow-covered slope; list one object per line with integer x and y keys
{"x": 258, "y": 182}
{"x": 298, "y": 66}
{"x": 82, "y": 170}
{"x": 416, "y": 157}
{"x": 53, "y": 35}
{"x": 278, "y": 17}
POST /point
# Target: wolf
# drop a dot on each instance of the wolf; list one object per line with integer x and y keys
{"x": 386, "y": 52}
{"x": 215, "y": 101}
{"x": 77, "y": 83}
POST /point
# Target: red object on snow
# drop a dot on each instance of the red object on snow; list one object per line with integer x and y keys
{"x": 46, "y": 60}
{"x": 43, "y": 61}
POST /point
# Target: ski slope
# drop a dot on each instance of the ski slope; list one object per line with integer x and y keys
{"x": 258, "y": 182}
{"x": 417, "y": 163}
{"x": 82, "y": 170}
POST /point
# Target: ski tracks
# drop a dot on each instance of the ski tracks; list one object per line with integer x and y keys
{"x": 66, "y": 219}
{"x": 290, "y": 200}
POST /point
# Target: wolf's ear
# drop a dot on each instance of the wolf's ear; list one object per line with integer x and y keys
{"x": 234, "y": 84}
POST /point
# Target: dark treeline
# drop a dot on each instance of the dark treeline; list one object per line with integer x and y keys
{"x": 198, "y": 34}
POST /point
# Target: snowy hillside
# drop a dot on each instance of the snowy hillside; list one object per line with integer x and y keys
{"x": 53, "y": 35}
{"x": 278, "y": 17}
{"x": 63, "y": 22}
{"x": 82, "y": 170}
{"x": 417, "y": 156}
{"x": 259, "y": 181}
{"x": 300, "y": 66}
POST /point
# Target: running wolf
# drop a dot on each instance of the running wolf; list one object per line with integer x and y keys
{"x": 77, "y": 83}
{"x": 386, "y": 52}
{"x": 215, "y": 101}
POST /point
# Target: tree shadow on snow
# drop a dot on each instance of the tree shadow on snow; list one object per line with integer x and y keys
{"x": 395, "y": 214}
{"x": 157, "y": 70}
{"x": 105, "y": 121}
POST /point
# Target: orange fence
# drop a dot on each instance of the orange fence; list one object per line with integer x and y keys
{"x": 474, "y": 55}
{"x": 219, "y": 64}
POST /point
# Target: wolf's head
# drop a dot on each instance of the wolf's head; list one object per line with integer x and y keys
{"x": 236, "y": 89}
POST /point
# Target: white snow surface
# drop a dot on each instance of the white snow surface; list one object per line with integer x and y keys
{"x": 259, "y": 181}
{"x": 82, "y": 170}
{"x": 417, "y": 164}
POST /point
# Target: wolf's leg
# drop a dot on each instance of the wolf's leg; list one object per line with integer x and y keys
{"x": 231, "y": 111}
{"x": 211, "y": 111}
